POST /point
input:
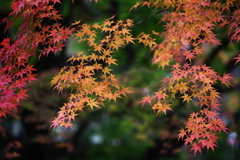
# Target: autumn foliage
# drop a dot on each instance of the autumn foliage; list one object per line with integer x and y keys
{"x": 188, "y": 24}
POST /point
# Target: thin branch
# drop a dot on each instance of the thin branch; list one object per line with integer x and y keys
{"x": 147, "y": 18}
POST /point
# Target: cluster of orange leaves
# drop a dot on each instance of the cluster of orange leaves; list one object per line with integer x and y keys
{"x": 194, "y": 83}
{"x": 188, "y": 24}
{"x": 90, "y": 77}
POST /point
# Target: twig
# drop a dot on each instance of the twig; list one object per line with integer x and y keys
{"x": 147, "y": 18}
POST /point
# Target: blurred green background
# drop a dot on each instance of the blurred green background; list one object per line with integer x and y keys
{"x": 123, "y": 130}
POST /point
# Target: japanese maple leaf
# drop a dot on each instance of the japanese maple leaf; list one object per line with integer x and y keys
{"x": 186, "y": 97}
{"x": 182, "y": 86}
{"x": 146, "y": 99}
{"x": 164, "y": 108}
{"x": 196, "y": 148}
{"x": 66, "y": 124}
{"x": 161, "y": 107}
{"x": 160, "y": 95}
{"x": 209, "y": 144}
{"x": 92, "y": 103}
{"x": 124, "y": 91}
{"x": 226, "y": 79}
{"x": 182, "y": 133}
{"x": 56, "y": 1}
{"x": 21, "y": 95}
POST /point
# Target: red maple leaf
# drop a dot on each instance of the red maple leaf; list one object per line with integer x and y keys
{"x": 196, "y": 148}
{"x": 146, "y": 99}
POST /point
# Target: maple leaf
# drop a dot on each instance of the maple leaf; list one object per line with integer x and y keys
{"x": 56, "y": 1}
{"x": 114, "y": 96}
{"x": 226, "y": 79}
{"x": 99, "y": 89}
{"x": 5, "y": 42}
{"x": 196, "y": 148}
{"x": 72, "y": 116}
{"x": 110, "y": 61}
{"x": 106, "y": 70}
{"x": 66, "y": 124}
{"x": 93, "y": 57}
{"x": 124, "y": 31}
{"x": 92, "y": 103}
{"x": 160, "y": 95}
{"x": 189, "y": 55}
{"x": 146, "y": 99}
{"x": 182, "y": 86}
{"x": 97, "y": 66}
{"x": 186, "y": 97}
{"x": 145, "y": 3}
{"x": 181, "y": 134}
{"x": 161, "y": 107}
{"x": 124, "y": 91}
{"x": 107, "y": 52}
{"x": 208, "y": 144}
{"x": 108, "y": 23}
{"x": 150, "y": 43}
{"x": 129, "y": 39}
{"x": 214, "y": 94}
{"x": 55, "y": 123}
{"x": 21, "y": 95}
{"x": 96, "y": 25}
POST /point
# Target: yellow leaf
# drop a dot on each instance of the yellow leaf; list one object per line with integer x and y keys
{"x": 182, "y": 86}
{"x": 92, "y": 103}
{"x": 110, "y": 61}
{"x": 186, "y": 97}
{"x": 106, "y": 70}
{"x": 128, "y": 39}
{"x": 161, "y": 107}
